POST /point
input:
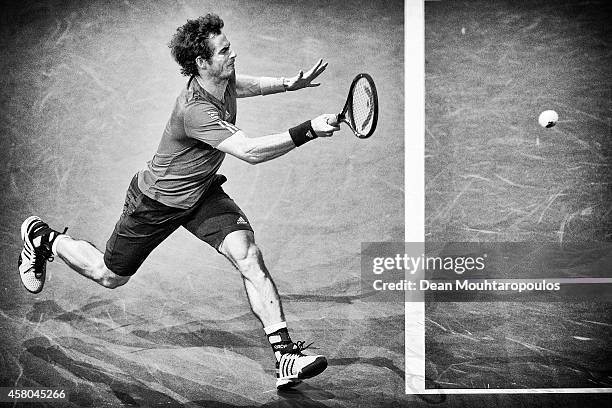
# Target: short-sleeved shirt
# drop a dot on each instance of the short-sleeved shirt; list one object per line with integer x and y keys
{"x": 187, "y": 160}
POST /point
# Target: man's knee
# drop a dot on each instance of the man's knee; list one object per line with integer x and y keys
{"x": 249, "y": 253}
{"x": 248, "y": 259}
{"x": 238, "y": 246}
{"x": 246, "y": 256}
{"x": 109, "y": 279}
{"x": 113, "y": 282}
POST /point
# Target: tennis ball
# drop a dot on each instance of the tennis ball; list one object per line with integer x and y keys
{"x": 548, "y": 118}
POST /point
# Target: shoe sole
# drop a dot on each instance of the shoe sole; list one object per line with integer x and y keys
{"x": 313, "y": 369}
{"x": 25, "y": 230}
{"x": 288, "y": 385}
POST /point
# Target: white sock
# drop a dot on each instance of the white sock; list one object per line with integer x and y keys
{"x": 53, "y": 247}
{"x": 275, "y": 327}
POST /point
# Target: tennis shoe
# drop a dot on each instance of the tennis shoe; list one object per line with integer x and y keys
{"x": 37, "y": 241}
{"x": 295, "y": 366}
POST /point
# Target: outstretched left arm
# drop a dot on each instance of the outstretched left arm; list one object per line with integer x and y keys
{"x": 252, "y": 86}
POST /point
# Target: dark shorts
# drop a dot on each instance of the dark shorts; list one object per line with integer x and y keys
{"x": 145, "y": 223}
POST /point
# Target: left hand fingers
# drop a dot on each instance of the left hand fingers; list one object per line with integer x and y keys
{"x": 304, "y": 80}
{"x": 316, "y": 70}
{"x": 315, "y": 67}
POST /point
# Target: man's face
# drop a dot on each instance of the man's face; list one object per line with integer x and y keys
{"x": 221, "y": 64}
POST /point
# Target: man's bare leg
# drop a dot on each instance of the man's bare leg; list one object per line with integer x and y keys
{"x": 41, "y": 243}
{"x": 86, "y": 259}
{"x": 292, "y": 366}
{"x": 240, "y": 248}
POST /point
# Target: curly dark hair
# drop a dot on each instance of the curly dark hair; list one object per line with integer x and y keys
{"x": 191, "y": 41}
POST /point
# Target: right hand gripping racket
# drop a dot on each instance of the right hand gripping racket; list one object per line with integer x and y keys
{"x": 360, "y": 111}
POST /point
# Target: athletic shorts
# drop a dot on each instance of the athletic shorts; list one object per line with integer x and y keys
{"x": 145, "y": 223}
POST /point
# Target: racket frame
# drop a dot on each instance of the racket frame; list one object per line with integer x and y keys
{"x": 348, "y": 107}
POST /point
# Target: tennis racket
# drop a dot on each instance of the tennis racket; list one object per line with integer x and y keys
{"x": 360, "y": 111}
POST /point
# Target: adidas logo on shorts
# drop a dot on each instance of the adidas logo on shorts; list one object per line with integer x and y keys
{"x": 241, "y": 221}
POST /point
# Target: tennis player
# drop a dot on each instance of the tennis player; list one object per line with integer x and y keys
{"x": 180, "y": 187}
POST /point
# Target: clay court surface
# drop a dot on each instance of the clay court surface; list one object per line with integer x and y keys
{"x": 86, "y": 90}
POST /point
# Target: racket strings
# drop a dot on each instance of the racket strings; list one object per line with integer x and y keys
{"x": 363, "y": 106}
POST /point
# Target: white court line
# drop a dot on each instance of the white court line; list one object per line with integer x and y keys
{"x": 515, "y": 391}
{"x": 414, "y": 182}
{"x": 414, "y": 207}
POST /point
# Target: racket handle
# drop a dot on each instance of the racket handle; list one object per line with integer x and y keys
{"x": 341, "y": 116}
